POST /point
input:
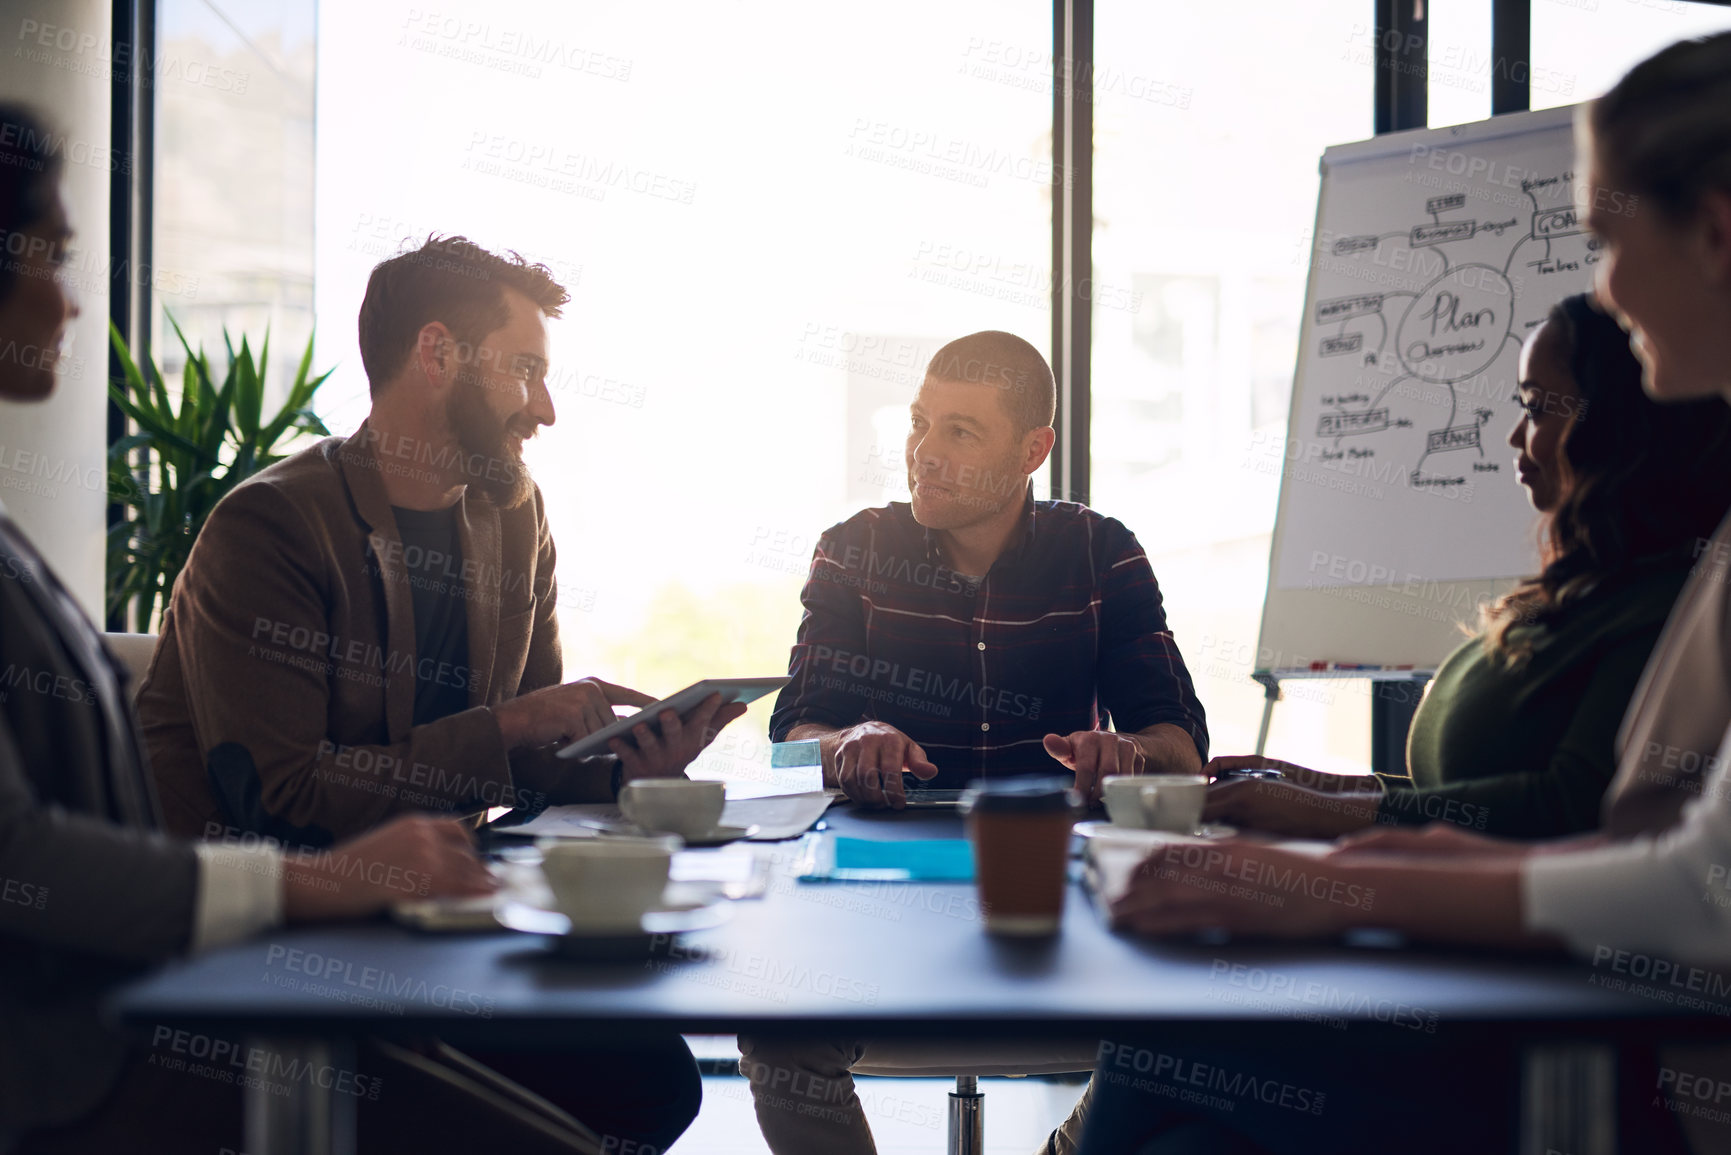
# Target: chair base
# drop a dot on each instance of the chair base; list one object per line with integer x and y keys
{"x": 967, "y": 1117}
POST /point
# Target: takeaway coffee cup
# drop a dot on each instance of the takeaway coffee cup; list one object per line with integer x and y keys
{"x": 607, "y": 884}
{"x": 1170, "y": 802}
{"x": 675, "y": 805}
{"x": 1020, "y": 828}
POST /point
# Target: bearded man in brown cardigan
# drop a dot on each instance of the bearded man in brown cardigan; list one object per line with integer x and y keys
{"x": 368, "y": 627}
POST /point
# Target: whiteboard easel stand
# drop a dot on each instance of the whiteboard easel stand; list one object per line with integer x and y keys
{"x": 1387, "y": 710}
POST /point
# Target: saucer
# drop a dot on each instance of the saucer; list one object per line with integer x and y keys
{"x": 722, "y": 835}
{"x": 653, "y": 931}
{"x": 1207, "y": 830}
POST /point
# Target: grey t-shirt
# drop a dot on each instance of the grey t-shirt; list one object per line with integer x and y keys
{"x": 433, "y": 558}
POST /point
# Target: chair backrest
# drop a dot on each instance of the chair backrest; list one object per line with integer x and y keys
{"x": 134, "y": 652}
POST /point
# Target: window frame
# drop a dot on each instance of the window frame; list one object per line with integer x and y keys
{"x": 131, "y": 211}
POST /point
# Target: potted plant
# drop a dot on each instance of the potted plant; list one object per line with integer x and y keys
{"x": 170, "y": 474}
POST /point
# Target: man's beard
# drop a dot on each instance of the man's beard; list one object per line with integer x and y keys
{"x": 993, "y": 487}
{"x": 491, "y": 463}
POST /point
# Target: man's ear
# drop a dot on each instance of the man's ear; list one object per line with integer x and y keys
{"x": 436, "y": 355}
{"x": 1036, "y": 447}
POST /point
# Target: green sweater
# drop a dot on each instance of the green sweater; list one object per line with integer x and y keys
{"x": 1528, "y": 752}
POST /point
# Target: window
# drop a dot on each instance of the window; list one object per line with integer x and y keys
{"x": 233, "y": 199}
{"x": 768, "y": 223}
{"x": 1208, "y": 128}
{"x": 1582, "y": 47}
{"x": 1461, "y": 65}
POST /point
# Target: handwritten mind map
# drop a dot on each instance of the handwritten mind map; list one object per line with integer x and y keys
{"x": 1427, "y": 272}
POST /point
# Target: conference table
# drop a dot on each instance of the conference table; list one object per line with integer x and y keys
{"x": 903, "y": 959}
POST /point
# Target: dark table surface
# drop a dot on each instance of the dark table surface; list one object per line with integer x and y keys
{"x": 901, "y": 958}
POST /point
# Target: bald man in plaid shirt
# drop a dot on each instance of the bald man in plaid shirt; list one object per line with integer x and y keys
{"x": 975, "y": 632}
{"x": 971, "y": 632}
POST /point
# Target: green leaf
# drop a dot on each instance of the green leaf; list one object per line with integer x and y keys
{"x": 183, "y": 420}
{"x": 250, "y": 398}
{"x": 134, "y": 382}
{"x": 297, "y": 407}
{"x": 157, "y": 433}
{"x": 264, "y": 357}
{"x": 214, "y": 423}
{"x": 171, "y": 472}
{"x": 120, "y": 449}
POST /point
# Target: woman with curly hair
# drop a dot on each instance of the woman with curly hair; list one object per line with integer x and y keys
{"x": 1517, "y": 735}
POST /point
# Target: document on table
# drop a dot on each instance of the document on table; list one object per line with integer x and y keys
{"x": 776, "y": 816}
{"x": 1110, "y": 863}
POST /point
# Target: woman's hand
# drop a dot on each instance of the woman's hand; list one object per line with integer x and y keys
{"x": 1297, "y": 775}
{"x": 1242, "y": 887}
{"x": 1279, "y": 807}
{"x": 1434, "y": 840}
{"x": 414, "y": 857}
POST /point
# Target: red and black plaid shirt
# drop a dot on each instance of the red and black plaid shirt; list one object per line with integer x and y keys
{"x": 1065, "y": 633}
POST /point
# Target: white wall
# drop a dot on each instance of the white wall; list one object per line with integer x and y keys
{"x": 53, "y": 454}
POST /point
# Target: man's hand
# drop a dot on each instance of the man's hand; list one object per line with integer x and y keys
{"x": 1092, "y": 755}
{"x": 1433, "y": 840}
{"x": 563, "y": 713}
{"x": 666, "y": 755}
{"x": 1278, "y": 807}
{"x": 1240, "y": 887}
{"x": 418, "y": 856}
{"x": 869, "y": 759}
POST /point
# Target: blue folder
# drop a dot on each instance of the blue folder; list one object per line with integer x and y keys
{"x": 835, "y": 859}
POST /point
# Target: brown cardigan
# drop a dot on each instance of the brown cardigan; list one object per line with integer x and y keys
{"x": 280, "y": 698}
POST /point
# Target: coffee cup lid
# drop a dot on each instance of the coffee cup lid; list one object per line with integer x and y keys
{"x": 1023, "y": 794}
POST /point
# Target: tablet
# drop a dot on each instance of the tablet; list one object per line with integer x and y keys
{"x": 926, "y": 798}
{"x": 682, "y": 703}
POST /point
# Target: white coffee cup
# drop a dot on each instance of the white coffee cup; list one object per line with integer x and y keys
{"x": 607, "y": 883}
{"x": 675, "y": 805}
{"x": 1170, "y": 802}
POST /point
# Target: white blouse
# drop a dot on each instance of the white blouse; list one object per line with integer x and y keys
{"x": 1665, "y": 894}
